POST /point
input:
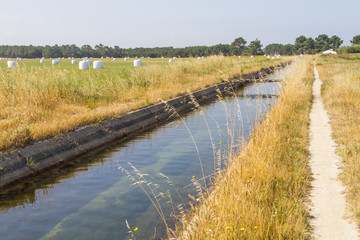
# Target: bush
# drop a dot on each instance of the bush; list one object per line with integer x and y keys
{"x": 350, "y": 49}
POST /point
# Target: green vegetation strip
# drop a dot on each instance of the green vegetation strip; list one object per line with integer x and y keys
{"x": 262, "y": 194}
{"x": 341, "y": 96}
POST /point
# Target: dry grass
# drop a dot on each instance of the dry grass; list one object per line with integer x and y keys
{"x": 263, "y": 192}
{"x": 341, "y": 96}
{"x": 42, "y": 101}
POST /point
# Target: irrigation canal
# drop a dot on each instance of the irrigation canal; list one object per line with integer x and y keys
{"x": 90, "y": 198}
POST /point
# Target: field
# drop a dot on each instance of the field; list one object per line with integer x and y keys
{"x": 341, "y": 94}
{"x": 43, "y": 100}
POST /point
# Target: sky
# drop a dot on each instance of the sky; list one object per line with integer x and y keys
{"x": 177, "y": 23}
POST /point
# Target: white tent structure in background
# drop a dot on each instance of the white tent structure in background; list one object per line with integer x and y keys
{"x": 330, "y": 51}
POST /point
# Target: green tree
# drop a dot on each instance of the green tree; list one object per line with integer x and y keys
{"x": 100, "y": 50}
{"x": 87, "y": 51}
{"x": 356, "y": 39}
{"x": 322, "y": 43}
{"x": 335, "y": 41}
{"x": 52, "y": 51}
{"x": 75, "y": 51}
{"x": 255, "y": 47}
{"x": 309, "y": 46}
{"x": 288, "y": 49}
{"x": 300, "y": 44}
{"x": 274, "y": 48}
{"x": 238, "y": 46}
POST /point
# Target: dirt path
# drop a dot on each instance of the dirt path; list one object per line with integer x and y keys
{"x": 328, "y": 203}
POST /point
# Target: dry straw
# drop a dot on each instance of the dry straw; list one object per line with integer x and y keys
{"x": 40, "y": 102}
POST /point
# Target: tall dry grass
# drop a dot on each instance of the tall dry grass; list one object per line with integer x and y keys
{"x": 38, "y": 102}
{"x": 263, "y": 192}
{"x": 341, "y": 96}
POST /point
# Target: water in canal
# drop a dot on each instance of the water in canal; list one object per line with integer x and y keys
{"x": 90, "y": 198}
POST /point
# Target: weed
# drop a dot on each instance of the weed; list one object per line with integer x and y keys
{"x": 30, "y": 162}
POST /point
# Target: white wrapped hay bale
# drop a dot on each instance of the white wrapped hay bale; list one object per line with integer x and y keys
{"x": 125, "y": 58}
{"x": 56, "y": 61}
{"x": 162, "y": 57}
{"x": 73, "y": 61}
{"x": 11, "y": 64}
{"x": 239, "y": 56}
{"x": 84, "y": 65}
{"x": 170, "y": 60}
{"x": 89, "y": 62}
{"x": 199, "y": 58}
{"x": 114, "y": 59}
{"x": 252, "y": 56}
{"x": 98, "y": 65}
{"x": 174, "y": 58}
{"x": 137, "y": 63}
{"x": 42, "y": 60}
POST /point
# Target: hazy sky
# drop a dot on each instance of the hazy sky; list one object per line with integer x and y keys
{"x": 151, "y": 23}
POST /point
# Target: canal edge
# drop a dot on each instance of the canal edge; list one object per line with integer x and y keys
{"x": 39, "y": 156}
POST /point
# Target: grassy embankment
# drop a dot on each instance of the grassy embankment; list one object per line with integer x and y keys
{"x": 341, "y": 96}
{"x": 262, "y": 194}
{"x": 40, "y": 100}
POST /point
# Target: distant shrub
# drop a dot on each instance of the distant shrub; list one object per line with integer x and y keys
{"x": 350, "y": 49}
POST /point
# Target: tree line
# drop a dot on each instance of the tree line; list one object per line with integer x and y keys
{"x": 239, "y": 46}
